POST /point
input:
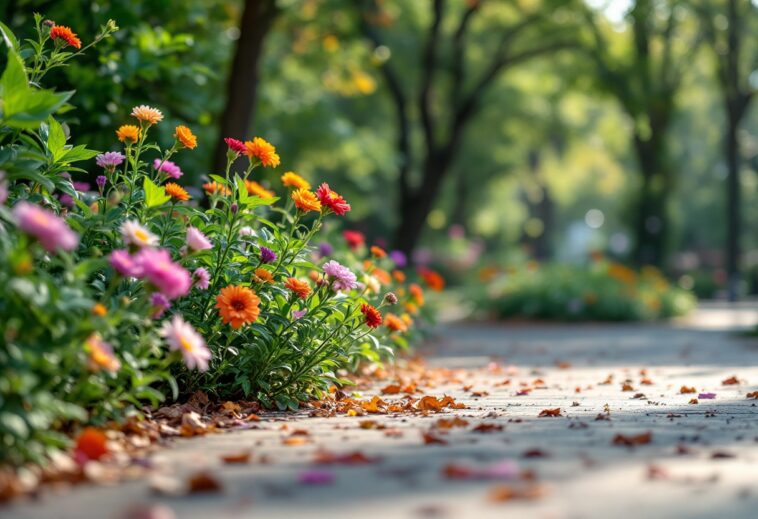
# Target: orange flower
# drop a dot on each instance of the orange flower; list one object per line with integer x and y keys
{"x": 432, "y": 279}
{"x": 399, "y": 276}
{"x": 128, "y": 133}
{"x": 255, "y": 189}
{"x": 305, "y": 200}
{"x": 382, "y": 275}
{"x": 292, "y": 179}
{"x": 215, "y": 187}
{"x": 147, "y": 114}
{"x": 186, "y": 137}
{"x": 92, "y": 443}
{"x": 411, "y": 308}
{"x": 372, "y": 316}
{"x": 407, "y": 320}
{"x": 67, "y": 35}
{"x": 378, "y": 252}
{"x": 177, "y": 192}
{"x": 301, "y": 288}
{"x": 238, "y": 305}
{"x": 99, "y": 309}
{"x": 263, "y": 276}
{"x": 394, "y": 323}
{"x": 263, "y": 151}
{"x": 417, "y": 293}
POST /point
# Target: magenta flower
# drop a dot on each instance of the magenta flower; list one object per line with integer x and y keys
{"x": 267, "y": 255}
{"x": 298, "y": 314}
{"x": 202, "y": 278}
{"x": 316, "y": 477}
{"x": 180, "y": 336}
{"x": 235, "y": 145}
{"x": 110, "y": 160}
{"x": 125, "y": 264}
{"x": 196, "y": 240}
{"x": 81, "y": 186}
{"x": 51, "y": 231}
{"x": 168, "y": 277}
{"x": 160, "y": 304}
{"x": 343, "y": 278}
{"x": 167, "y": 167}
{"x": 101, "y": 181}
{"x": 707, "y": 396}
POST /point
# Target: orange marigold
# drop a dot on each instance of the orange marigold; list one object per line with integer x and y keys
{"x": 99, "y": 309}
{"x": 128, "y": 133}
{"x": 411, "y": 308}
{"x": 263, "y": 276}
{"x": 383, "y": 276}
{"x": 372, "y": 316}
{"x": 395, "y": 323}
{"x": 433, "y": 280}
{"x": 298, "y": 287}
{"x": 215, "y": 187}
{"x": 92, "y": 443}
{"x": 417, "y": 293}
{"x": 399, "y": 276}
{"x": 263, "y": 151}
{"x": 186, "y": 137}
{"x": 305, "y": 200}
{"x": 238, "y": 305}
{"x": 377, "y": 251}
{"x": 292, "y": 179}
{"x": 69, "y": 37}
{"x": 176, "y": 192}
{"x": 255, "y": 189}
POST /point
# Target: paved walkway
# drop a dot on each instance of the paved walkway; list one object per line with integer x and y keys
{"x": 701, "y": 460}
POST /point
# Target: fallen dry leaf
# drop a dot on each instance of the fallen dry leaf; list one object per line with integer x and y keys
{"x": 203, "y": 482}
{"x": 505, "y": 493}
{"x": 550, "y": 413}
{"x": 487, "y": 428}
{"x": 685, "y": 390}
{"x": 324, "y": 457}
{"x": 294, "y": 440}
{"x": 731, "y": 381}
{"x": 432, "y": 439}
{"x": 449, "y": 423}
{"x": 633, "y": 440}
{"x": 754, "y": 394}
{"x": 236, "y": 457}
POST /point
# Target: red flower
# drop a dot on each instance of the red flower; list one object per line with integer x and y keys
{"x": 372, "y": 316}
{"x": 432, "y": 279}
{"x": 67, "y": 35}
{"x": 354, "y": 239}
{"x": 235, "y": 145}
{"x": 332, "y": 200}
{"x": 91, "y": 444}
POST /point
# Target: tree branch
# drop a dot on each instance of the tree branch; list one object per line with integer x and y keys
{"x": 428, "y": 65}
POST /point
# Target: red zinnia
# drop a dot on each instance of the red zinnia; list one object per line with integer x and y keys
{"x": 235, "y": 145}
{"x": 354, "y": 239}
{"x": 332, "y": 200}
{"x": 372, "y": 315}
{"x": 67, "y": 35}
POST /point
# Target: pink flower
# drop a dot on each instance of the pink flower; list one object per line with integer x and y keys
{"x": 51, "y": 231}
{"x": 125, "y": 264}
{"x": 344, "y": 279}
{"x": 135, "y": 234}
{"x": 160, "y": 304}
{"x": 196, "y": 240}
{"x": 298, "y": 314}
{"x": 167, "y": 167}
{"x": 180, "y": 336}
{"x": 202, "y": 278}
{"x": 171, "y": 279}
{"x": 235, "y": 145}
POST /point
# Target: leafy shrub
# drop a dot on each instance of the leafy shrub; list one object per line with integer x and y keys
{"x": 104, "y": 291}
{"x": 602, "y": 291}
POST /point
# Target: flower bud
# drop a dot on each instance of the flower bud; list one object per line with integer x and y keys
{"x": 390, "y": 298}
{"x": 234, "y": 208}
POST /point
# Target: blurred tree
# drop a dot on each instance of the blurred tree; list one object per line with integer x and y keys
{"x": 448, "y": 95}
{"x": 645, "y": 78}
{"x": 256, "y": 21}
{"x": 730, "y": 27}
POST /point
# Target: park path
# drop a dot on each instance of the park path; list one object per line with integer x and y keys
{"x": 701, "y": 461}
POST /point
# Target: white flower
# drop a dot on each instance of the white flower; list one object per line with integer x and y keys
{"x": 135, "y": 234}
{"x": 247, "y": 231}
{"x": 182, "y": 337}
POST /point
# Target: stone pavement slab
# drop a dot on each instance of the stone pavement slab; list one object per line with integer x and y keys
{"x": 701, "y": 462}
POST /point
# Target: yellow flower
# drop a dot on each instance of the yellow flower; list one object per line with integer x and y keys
{"x": 128, "y": 133}
{"x": 99, "y": 309}
{"x": 263, "y": 151}
{"x": 147, "y": 114}
{"x": 292, "y": 179}
{"x": 255, "y": 189}
{"x": 306, "y": 200}
{"x": 186, "y": 137}
{"x": 177, "y": 192}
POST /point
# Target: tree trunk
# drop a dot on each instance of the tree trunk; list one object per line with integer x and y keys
{"x": 242, "y": 86}
{"x": 733, "y": 220}
{"x": 651, "y": 226}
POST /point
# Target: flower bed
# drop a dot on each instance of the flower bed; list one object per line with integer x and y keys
{"x": 601, "y": 291}
{"x": 129, "y": 292}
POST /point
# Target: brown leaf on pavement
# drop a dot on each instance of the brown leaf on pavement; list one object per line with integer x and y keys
{"x": 731, "y": 381}
{"x": 550, "y": 413}
{"x": 236, "y": 457}
{"x": 487, "y": 428}
{"x": 449, "y": 423}
{"x": 505, "y": 493}
{"x": 432, "y": 439}
{"x": 633, "y": 440}
{"x": 203, "y": 482}
{"x": 685, "y": 390}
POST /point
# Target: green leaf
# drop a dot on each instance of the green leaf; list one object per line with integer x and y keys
{"x": 78, "y": 153}
{"x": 56, "y": 139}
{"x": 154, "y": 195}
{"x": 14, "y": 78}
{"x": 8, "y": 37}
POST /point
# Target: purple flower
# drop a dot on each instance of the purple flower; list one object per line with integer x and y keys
{"x": 51, "y": 231}
{"x": 160, "y": 304}
{"x": 344, "y": 279}
{"x": 316, "y": 477}
{"x": 66, "y": 199}
{"x": 707, "y": 396}
{"x": 267, "y": 255}
{"x": 325, "y": 249}
{"x": 196, "y": 240}
{"x": 202, "y": 278}
{"x": 101, "y": 181}
{"x": 81, "y": 186}
{"x": 168, "y": 277}
{"x": 168, "y": 167}
{"x": 399, "y": 258}
{"x": 125, "y": 264}
{"x": 297, "y": 314}
{"x": 109, "y": 160}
